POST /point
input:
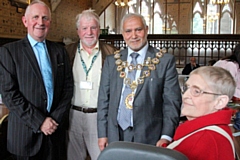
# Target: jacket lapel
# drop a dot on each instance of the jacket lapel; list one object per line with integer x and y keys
{"x": 30, "y": 56}
{"x": 119, "y": 80}
{"x": 53, "y": 59}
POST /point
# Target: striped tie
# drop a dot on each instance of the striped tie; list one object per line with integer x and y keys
{"x": 125, "y": 113}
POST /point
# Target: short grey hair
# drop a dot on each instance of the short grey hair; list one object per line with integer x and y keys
{"x": 37, "y": 2}
{"x": 130, "y": 15}
{"x": 218, "y": 79}
{"x": 87, "y": 14}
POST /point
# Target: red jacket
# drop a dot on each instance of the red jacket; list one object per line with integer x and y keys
{"x": 206, "y": 144}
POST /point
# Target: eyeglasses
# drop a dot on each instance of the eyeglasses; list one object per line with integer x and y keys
{"x": 195, "y": 91}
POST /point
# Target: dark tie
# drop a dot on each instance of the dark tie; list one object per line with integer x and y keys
{"x": 46, "y": 71}
{"x": 125, "y": 113}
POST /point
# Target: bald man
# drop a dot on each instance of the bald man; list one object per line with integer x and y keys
{"x": 190, "y": 66}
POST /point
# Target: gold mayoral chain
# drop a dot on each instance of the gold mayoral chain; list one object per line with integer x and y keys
{"x": 150, "y": 63}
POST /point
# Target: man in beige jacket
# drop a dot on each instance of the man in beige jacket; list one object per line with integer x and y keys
{"x": 86, "y": 59}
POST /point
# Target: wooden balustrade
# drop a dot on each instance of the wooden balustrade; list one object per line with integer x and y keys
{"x": 182, "y": 46}
{"x": 203, "y": 47}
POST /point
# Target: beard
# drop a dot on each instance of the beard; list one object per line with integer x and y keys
{"x": 140, "y": 44}
{"x": 91, "y": 43}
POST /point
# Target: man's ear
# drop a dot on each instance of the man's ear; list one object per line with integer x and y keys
{"x": 221, "y": 102}
{"x": 147, "y": 28}
{"x": 24, "y": 20}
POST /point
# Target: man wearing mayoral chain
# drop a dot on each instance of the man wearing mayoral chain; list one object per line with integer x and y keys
{"x": 139, "y": 97}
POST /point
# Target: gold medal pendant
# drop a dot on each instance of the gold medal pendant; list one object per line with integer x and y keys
{"x": 155, "y": 61}
{"x": 139, "y": 67}
{"x": 159, "y": 54}
{"x": 152, "y": 67}
{"x": 140, "y": 80}
{"x": 146, "y": 73}
{"x": 119, "y": 68}
{"x": 117, "y": 51}
{"x": 122, "y": 74}
{"x": 129, "y": 101}
{"x": 117, "y": 56}
{"x": 131, "y": 68}
{"x": 124, "y": 64}
{"x": 118, "y": 61}
{"x": 149, "y": 63}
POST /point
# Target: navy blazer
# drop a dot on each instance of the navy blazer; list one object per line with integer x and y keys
{"x": 24, "y": 94}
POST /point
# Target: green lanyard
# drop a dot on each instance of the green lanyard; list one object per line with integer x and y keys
{"x": 84, "y": 64}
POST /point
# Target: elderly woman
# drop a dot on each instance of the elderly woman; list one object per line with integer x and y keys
{"x": 206, "y": 135}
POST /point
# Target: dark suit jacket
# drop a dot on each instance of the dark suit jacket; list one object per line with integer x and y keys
{"x": 156, "y": 107}
{"x": 188, "y": 69}
{"x": 106, "y": 49}
{"x": 23, "y": 92}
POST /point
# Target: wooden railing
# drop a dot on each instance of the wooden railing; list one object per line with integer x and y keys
{"x": 203, "y": 47}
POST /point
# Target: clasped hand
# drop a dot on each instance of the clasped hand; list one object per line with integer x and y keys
{"x": 49, "y": 126}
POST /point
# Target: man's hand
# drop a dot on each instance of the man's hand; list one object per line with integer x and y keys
{"x": 102, "y": 143}
{"x": 49, "y": 126}
{"x": 162, "y": 143}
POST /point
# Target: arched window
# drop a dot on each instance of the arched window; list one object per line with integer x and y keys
{"x": 157, "y": 20}
{"x": 176, "y": 16}
{"x": 198, "y": 26}
{"x": 226, "y": 26}
{"x": 212, "y": 18}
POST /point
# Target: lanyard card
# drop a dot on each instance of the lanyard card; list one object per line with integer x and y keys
{"x": 86, "y": 85}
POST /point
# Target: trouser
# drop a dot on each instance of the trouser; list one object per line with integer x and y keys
{"x": 126, "y": 135}
{"x": 82, "y": 136}
{"x": 48, "y": 151}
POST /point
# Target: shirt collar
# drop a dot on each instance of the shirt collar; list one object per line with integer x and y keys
{"x": 96, "y": 47}
{"x": 141, "y": 52}
{"x": 32, "y": 41}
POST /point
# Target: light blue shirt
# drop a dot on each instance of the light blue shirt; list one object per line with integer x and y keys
{"x": 33, "y": 42}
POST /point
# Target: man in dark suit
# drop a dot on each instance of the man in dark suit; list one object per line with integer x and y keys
{"x": 190, "y": 66}
{"x": 38, "y": 105}
{"x": 149, "y": 112}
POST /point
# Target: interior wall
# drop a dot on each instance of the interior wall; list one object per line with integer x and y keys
{"x": 63, "y": 17}
{"x": 62, "y": 25}
{"x": 10, "y": 21}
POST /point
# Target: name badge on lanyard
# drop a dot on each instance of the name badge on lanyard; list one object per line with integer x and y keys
{"x": 86, "y": 85}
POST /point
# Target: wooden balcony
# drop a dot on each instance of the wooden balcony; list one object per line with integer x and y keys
{"x": 182, "y": 46}
{"x": 203, "y": 47}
